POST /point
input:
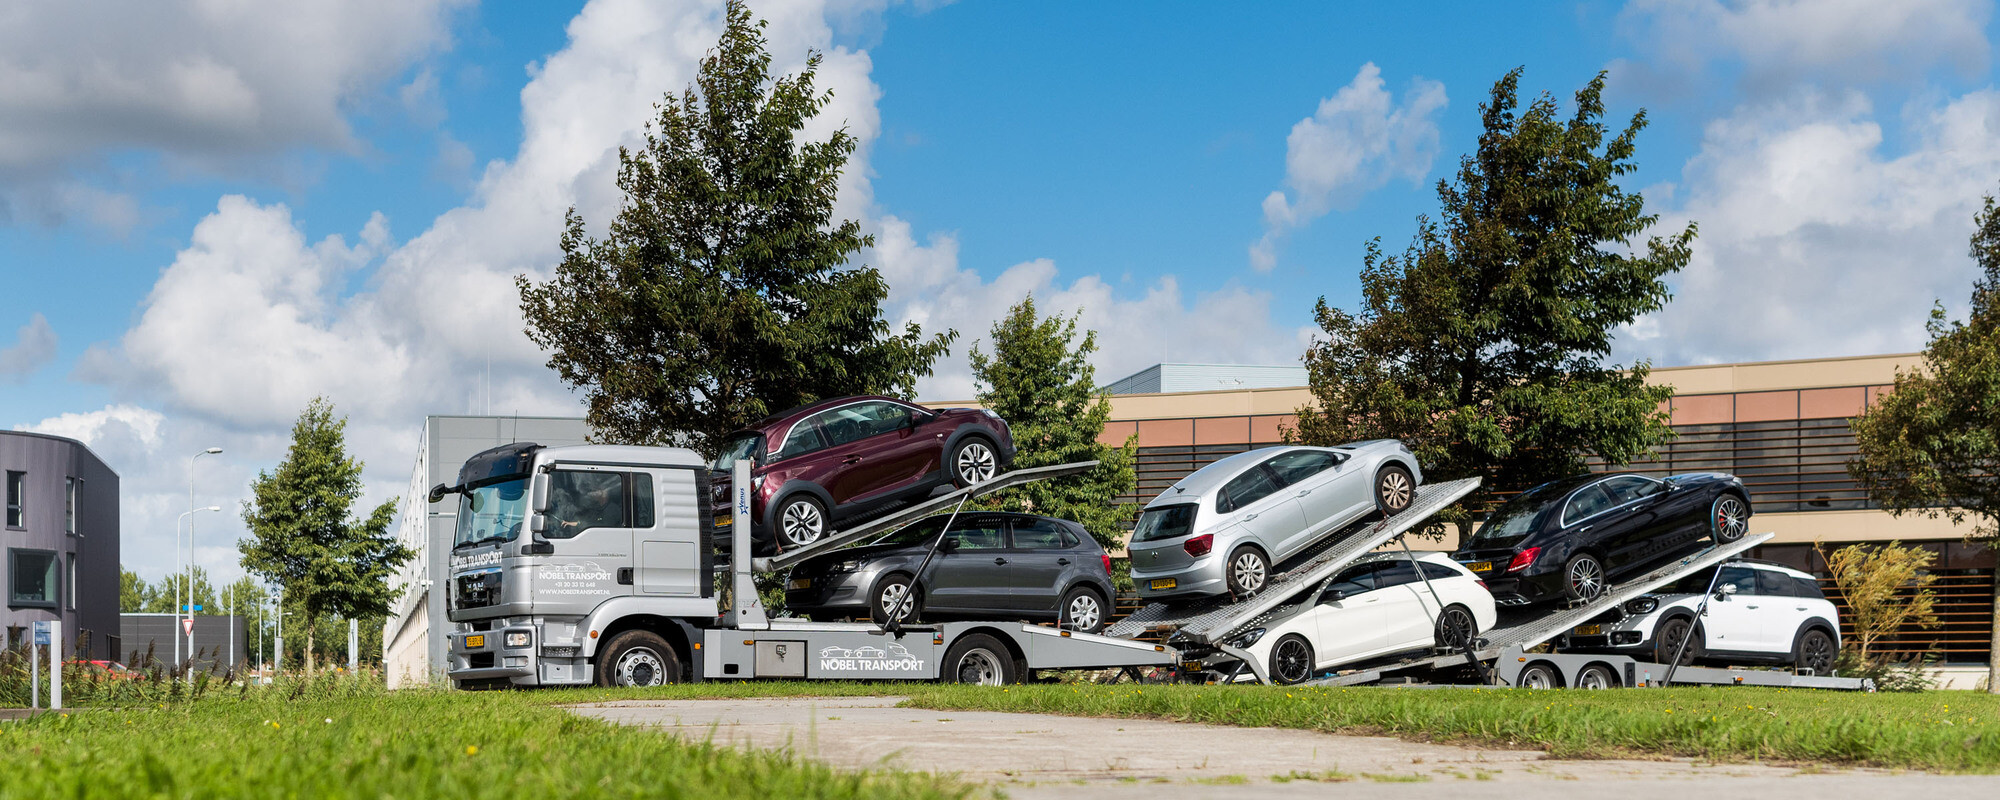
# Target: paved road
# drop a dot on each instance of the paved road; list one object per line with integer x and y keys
{"x": 1044, "y": 756}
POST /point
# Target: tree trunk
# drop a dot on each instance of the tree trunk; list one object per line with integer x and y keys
{"x": 1993, "y": 646}
{"x": 309, "y": 647}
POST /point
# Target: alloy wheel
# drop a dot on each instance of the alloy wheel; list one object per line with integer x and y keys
{"x": 980, "y": 667}
{"x": 1084, "y": 611}
{"x": 1455, "y": 627}
{"x": 976, "y": 463}
{"x": 1292, "y": 662}
{"x": 1731, "y": 522}
{"x": 802, "y": 522}
{"x": 1673, "y": 637}
{"x": 1395, "y": 489}
{"x": 1816, "y": 653}
{"x": 1249, "y": 571}
{"x": 1586, "y": 578}
{"x": 641, "y": 666}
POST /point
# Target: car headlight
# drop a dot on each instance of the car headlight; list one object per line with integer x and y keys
{"x": 519, "y": 639}
{"x": 1643, "y": 605}
{"x": 849, "y": 565}
{"x": 1250, "y": 638}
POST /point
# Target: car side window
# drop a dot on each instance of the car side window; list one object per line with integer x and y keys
{"x": 1629, "y": 488}
{"x": 1586, "y": 502}
{"x": 862, "y": 420}
{"x": 1807, "y": 587}
{"x": 1356, "y": 579}
{"x": 1248, "y": 488}
{"x": 1438, "y": 572}
{"x": 1396, "y": 574}
{"x": 980, "y": 534}
{"x": 1773, "y": 583}
{"x": 803, "y": 439}
{"x": 1299, "y": 465}
{"x": 1039, "y": 534}
{"x": 1744, "y": 578}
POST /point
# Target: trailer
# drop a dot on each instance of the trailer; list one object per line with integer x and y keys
{"x": 635, "y": 603}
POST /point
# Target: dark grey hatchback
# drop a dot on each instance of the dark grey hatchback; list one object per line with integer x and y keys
{"x": 990, "y": 565}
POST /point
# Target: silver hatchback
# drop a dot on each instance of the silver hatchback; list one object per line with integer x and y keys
{"x": 1219, "y": 530}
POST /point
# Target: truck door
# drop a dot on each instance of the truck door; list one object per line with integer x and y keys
{"x": 589, "y": 530}
{"x": 665, "y": 532}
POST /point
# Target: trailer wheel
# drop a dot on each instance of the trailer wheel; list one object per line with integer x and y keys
{"x": 1583, "y": 578}
{"x": 1394, "y": 489}
{"x": 1540, "y": 675}
{"x": 1596, "y": 676}
{"x": 1728, "y": 519}
{"x": 1667, "y": 641}
{"x": 638, "y": 658}
{"x": 1291, "y": 660}
{"x": 973, "y": 461}
{"x": 1814, "y": 651}
{"x": 979, "y": 659}
{"x": 1246, "y": 572}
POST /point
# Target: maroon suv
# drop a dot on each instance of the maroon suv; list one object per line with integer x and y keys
{"x": 819, "y": 465}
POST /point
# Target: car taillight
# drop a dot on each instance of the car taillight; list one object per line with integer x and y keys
{"x": 1200, "y": 545}
{"x": 1107, "y": 562}
{"x": 1482, "y": 584}
{"x": 1523, "y": 559}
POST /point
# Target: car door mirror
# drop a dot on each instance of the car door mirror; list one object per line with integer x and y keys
{"x": 948, "y": 545}
{"x": 1333, "y": 596}
{"x": 1725, "y": 591}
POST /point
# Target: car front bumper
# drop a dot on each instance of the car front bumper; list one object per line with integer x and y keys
{"x": 831, "y": 594}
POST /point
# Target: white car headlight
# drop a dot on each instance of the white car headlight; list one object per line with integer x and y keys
{"x": 1250, "y": 638}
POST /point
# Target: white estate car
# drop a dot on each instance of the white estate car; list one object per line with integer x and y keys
{"x": 1376, "y": 607}
{"x": 1760, "y": 612}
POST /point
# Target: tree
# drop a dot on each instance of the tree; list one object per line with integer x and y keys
{"x": 172, "y": 592}
{"x": 719, "y": 294}
{"x": 1040, "y": 380}
{"x": 1932, "y": 446}
{"x": 302, "y": 538}
{"x": 1483, "y": 345}
{"x": 1872, "y": 581}
{"x": 133, "y": 593}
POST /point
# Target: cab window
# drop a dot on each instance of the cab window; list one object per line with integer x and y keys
{"x": 1587, "y": 502}
{"x": 1248, "y": 488}
{"x": 579, "y": 501}
{"x": 1299, "y": 465}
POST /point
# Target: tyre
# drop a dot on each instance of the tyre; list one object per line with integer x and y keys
{"x": 1083, "y": 610}
{"x": 801, "y": 521}
{"x": 1728, "y": 519}
{"x": 1394, "y": 489}
{"x": 973, "y": 461}
{"x": 1291, "y": 660}
{"x": 1455, "y": 627}
{"x": 1583, "y": 578}
{"x": 1246, "y": 572}
{"x": 1813, "y": 651}
{"x": 978, "y": 659}
{"x": 1667, "y": 641}
{"x": 1540, "y": 676}
{"x": 638, "y": 658}
{"x": 1597, "y": 676}
{"x": 888, "y": 592}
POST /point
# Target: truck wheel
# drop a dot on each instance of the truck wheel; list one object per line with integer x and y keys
{"x": 1246, "y": 572}
{"x": 1291, "y": 660}
{"x": 1394, "y": 489}
{"x": 978, "y": 659}
{"x": 1667, "y": 641}
{"x": 801, "y": 521}
{"x": 1596, "y": 676}
{"x": 1728, "y": 519}
{"x": 1083, "y": 610}
{"x": 1814, "y": 651}
{"x": 973, "y": 461}
{"x": 1540, "y": 676}
{"x": 888, "y": 592}
{"x": 638, "y": 658}
{"x": 1583, "y": 578}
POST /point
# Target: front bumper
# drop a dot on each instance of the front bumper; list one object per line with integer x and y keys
{"x": 485, "y": 656}
{"x": 835, "y": 594}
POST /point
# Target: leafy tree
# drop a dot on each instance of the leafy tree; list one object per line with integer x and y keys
{"x": 719, "y": 294}
{"x": 1932, "y": 446}
{"x": 1483, "y": 345}
{"x": 1040, "y": 380}
{"x": 302, "y": 538}
{"x": 172, "y": 591}
{"x": 133, "y": 593}
{"x": 1886, "y": 589}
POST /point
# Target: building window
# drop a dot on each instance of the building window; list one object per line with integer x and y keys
{"x": 70, "y": 594}
{"x": 33, "y": 580}
{"x": 69, "y": 506}
{"x": 16, "y": 487}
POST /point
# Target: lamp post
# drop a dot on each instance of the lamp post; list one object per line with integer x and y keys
{"x": 188, "y": 576}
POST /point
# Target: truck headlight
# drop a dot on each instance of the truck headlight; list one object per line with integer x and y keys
{"x": 1250, "y": 638}
{"x": 519, "y": 639}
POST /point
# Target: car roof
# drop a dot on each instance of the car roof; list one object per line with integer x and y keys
{"x": 796, "y": 413}
{"x": 1212, "y": 475}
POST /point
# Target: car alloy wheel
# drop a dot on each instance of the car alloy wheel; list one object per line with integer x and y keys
{"x": 1291, "y": 660}
{"x": 1815, "y": 652}
{"x": 1084, "y": 611}
{"x": 1672, "y": 638}
{"x": 1586, "y": 578}
{"x": 640, "y": 666}
{"x": 1455, "y": 627}
{"x": 1394, "y": 488}
{"x": 1731, "y": 520}
{"x": 802, "y": 522}
{"x": 1247, "y": 572}
{"x": 975, "y": 463}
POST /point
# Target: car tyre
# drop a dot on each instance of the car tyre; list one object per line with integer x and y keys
{"x": 1395, "y": 489}
{"x": 1291, "y": 660}
{"x": 801, "y": 519}
{"x": 1583, "y": 578}
{"x": 1667, "y": 639}
{"x": 1455, "y": 627}
{"x": 1540, "y": 676}
{"x": 973, "y": 460}
{"x": 1728, "y": 519}
{"x": 1814, "y": 651}
{"x": 1246, "y": 572}
{"x": 638, "y": 658}
{"x": 979, "y": 659}
{"x": 1083, "y": 610}
{"x": 1597, "y": 676}
{"x": 887, "y": 591}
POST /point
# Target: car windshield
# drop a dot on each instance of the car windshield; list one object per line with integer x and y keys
{"x": 1164, "y": 522}
{"x": 1512, "y": 522}
{"x": 492, "y": 513}
{"x": 741, "y": 446}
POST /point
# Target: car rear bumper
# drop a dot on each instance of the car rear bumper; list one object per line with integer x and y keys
{"x": 1199, "y": 579}
{"x": 1524, "y": 590}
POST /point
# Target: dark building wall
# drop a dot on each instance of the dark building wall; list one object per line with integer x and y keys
{"x": 87, "y": 593}
{"x": 156, "y": 631}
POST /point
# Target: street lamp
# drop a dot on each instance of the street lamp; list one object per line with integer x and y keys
{"x": 190, "y": 559}
{"x": 185, "y": 515}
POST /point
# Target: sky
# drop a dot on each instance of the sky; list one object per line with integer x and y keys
{"x": 212, "y": 211}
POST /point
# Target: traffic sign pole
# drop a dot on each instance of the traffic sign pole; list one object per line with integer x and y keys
{"x": 55, "y": 665}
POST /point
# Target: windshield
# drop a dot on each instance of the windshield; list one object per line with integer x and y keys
{"x": 1512, "y": 522}
{"x": 492, "y": 513}
{"x": 741, "y": 446}
{"x": 1164, "y": 522}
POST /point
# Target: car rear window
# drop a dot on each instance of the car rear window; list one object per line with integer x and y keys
{"x": 1164, "y": 522}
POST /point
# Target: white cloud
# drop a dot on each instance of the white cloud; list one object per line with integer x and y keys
{"x": 34, "y": 345}
{"x": 1357, "y": 140}
{"x": 1778, "y": 43}
{"x": 105, "y": 426}
{"x": 1814, "y": 242}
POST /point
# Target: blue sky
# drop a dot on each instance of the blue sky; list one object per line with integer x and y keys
{"x": 207, "y": 220}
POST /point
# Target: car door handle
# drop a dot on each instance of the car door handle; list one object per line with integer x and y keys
{"x": 999, "y": 561}
{"x": 1250, "y": 517}
{"x": 1749, "y": 606}
{"x": 850, "y": 459}
{"x": 1585, "y": 528}
{"x": 1062, "y": 562}
{"x": 1304, "y": 492}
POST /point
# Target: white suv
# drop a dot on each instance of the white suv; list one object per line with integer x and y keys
{"x": 1760, "y": 612}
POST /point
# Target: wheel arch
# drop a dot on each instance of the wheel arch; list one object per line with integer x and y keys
{"x": 785, "y": 492}
{"x": 1007, "y": 640}
{"x": 679, "y": 635}
{"x": 1816, "y": 623}
{"x": 972, "y": 430}
{"x": 1555, "y": 671}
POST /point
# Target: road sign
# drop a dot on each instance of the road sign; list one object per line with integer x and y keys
{"x": 187, "y": 626}
{"x": 191, "y": 608}
{"x": 43, "y": 632}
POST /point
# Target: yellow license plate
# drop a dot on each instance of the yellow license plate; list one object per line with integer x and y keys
{"x": 475, "y": 641}
{"x": 1164, "y": 583}
{"x": 725, "y": 522}
{"x": 1590, "y": 630}
{"x": 1480, "y": 566}
{"x": 802, "y": 583}
{"x": 1191, "y": 666}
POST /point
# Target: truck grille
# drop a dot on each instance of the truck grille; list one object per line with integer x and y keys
{"x": 476, "y": 589}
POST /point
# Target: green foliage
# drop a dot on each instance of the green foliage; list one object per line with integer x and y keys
{"x": 719, "y": 295}
{"x": 302, "y": 537}
{"x": 1482, "y": 346}
{"x": 1040, "y": 380}
{"x": 133, "y": 593}
{"x": 172, "y": 591}
{"x": 1886, "y": 588}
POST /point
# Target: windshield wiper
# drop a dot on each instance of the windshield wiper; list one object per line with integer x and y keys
{"x": 498, "y": 537}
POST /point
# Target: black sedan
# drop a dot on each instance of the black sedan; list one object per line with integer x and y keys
{"x": 990, "y": 566}
{"x": 1568, "y": 540}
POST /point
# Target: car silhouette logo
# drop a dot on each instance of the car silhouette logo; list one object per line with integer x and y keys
{"x": 869, "y": 652}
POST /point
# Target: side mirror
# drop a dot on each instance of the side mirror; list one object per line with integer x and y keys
{"x": 948, "y": 545}
{"x": 439, "y": 491}
{"x": 1724, "y": 591}
{"x": 1334, "y": 596}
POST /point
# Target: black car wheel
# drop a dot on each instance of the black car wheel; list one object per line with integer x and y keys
{"x": 890, "y": 593}
{"x": 1667, "y": 641}
{"x": 1455, "y": 627}
{"x": 1246, "y": 572}
{"x": 637, "y": 658}
{"x": 1291, "y": 660}
{"x": 1394, "y": 489}
{"x": 1814, "y": 651}
{"x": 1083, "y": 610}
{"x": 801, "y": 521}
{"x": 1583, "y": 578}
{"x": 1597, "y": 676}
{"x": 979, "y": 659}
{"x": 1728, "y": 519}
{"x": 1540, "y": 676}
{"x": 973, "y": 461}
